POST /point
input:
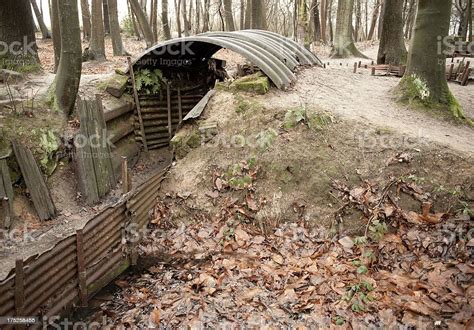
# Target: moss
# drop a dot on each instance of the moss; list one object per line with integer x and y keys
{"x": 21, "y": 64}
{"x": 266, "y": 138}
{"x": 315, "y": 121}
{"x": 255, "y": 83}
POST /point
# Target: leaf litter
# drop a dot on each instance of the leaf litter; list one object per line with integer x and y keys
{"x": 407, "y": 268}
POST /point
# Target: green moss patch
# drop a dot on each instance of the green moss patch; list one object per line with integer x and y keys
{"x": 256, "y": 83}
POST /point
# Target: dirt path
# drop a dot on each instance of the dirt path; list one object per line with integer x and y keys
{"x": 368, "y": 99}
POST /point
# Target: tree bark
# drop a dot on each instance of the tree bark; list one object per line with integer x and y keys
{"x": 302, "y": 25}
{"x": 66, "y": 83}
{"x": 143, "y": 22}
{"x": 117, "y": 43}
{"x": 242, "y": 14}
{"x": 257, "y": 15}
{"x": 229, "y": 17}
{"x": 86, "y": 19}
{"x": 39, "y": 18}
{"x": 165, "y": 20}
{"x": 375, "y": 16}
{"x": 97, "y": 45}
{"x": 105, "y": 12}
{"x": 177, "y": 7}
{"x": 343, "y": 42}
{"x": 426, "y": 62}
{"x": 410, "y": 19}
{"x": 324, "y": 20}
{"x": 205, "y": 20}
{"x": 316, "y": 21}
{"x": 17, "y": 34}
{"x": 186, "y": 23}
{"x": 248, "y": 15}
{"x": 392, "y": 48}
{"x": 56, "y": 29}
{"x": 463, "y": 7}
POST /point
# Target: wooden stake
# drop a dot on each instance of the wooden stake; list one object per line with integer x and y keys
{"x": 373, "y": 71}
{"x": 465, "y": 79}
{"x": 450, "y": 72}
{"x": 360, "y": 64}
{"x": 125, "y": 176}
{"x": 355, "y": 67}
{"x": 137, "y": 103}
{"x": 180, "y": 107}
{"x": 6, "y": 209}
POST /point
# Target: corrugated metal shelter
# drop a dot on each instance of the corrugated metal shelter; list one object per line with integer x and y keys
{"x": 274, "y": 54}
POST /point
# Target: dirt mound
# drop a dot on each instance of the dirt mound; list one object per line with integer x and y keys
{"x": 295, "y": 154}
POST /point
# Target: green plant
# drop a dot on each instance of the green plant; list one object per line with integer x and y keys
{"x": 378, "y": 229}
{"x": 148, "y": 82}
{"x": 127, "y": 26}
{"x": 266, "y": 138}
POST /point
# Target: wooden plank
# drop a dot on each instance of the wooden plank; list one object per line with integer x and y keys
{"x": 125, "y": 176}
{"x": 180, "y": 106}
{"x": 84, "y": 162}
{"x": 465, "y": 79}
{"x": 6, "y": 193}
{"x": 105, "y": 144}
{"x": 450, "y": 72}
{"x": 34, "y": 181}
{"x": 81, "y": 268}
{"x": 137, "y": 102}
{"x": 199, "y": 108}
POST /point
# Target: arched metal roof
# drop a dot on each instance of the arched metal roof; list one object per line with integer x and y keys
{"x": 274, "y": 54}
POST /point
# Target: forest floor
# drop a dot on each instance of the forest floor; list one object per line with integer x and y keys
{"x": 327, "y": 205}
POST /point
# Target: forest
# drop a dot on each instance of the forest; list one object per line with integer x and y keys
{"x": 237, "y": 164}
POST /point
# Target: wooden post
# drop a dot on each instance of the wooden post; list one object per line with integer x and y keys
{"x": 34, "y": 181}
{"x": 402, "y": 70}
{"x": 125, "y": 176}
{"x": 81, "y": 268}
{"x": 372, "y": 63}
{"x": 360, "y": 64}
{"x": 6, "y": 209}
{"x": 137, "y": 103}
{"x": 180, "y": 107}
{"x": 6, "y": 192}
{"x": 373, "y": 71}
{"x": 19, "y": 288}
{"x": 168, "y": 94}
{"x": 465, "y": 79}
{"x": 450, "y": 72}
{"x": 355, "y": 67}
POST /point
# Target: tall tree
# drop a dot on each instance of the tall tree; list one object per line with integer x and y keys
{"x": 117, "y": 43}
{"x": 392, "y": 48}
{"x": 315, "y": 20}
{"x": 229, "y": 17}
{"x": 425, "y": 78}
{"x": 302, "y": 24}
{"x": 258, "y": 15}
{"x": 97, "y": 44}
{"x": 242, "y": 14}
{"x": 17, "y": 33}
{"x": 324, "y": 11}
{"x": 165, "y": 20}
{"x": 143, "y": 22}
{"x": 248, "y": 15}
{"x": 463, "y": 7}
{"x": 86, "y": 19}
{"x": 66, "y": 83}
{"x": 105, "y": 11}
{"x": 177, "y": 10}
{"x": 343, "y": 42}
{"x": 39, "y": 18}
{"x": 410, "y": 19}
{"x": 186, "y": 23}
{"x": 375, "y": 17}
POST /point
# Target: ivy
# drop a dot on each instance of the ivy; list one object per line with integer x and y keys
{"x": 149, "y": 82}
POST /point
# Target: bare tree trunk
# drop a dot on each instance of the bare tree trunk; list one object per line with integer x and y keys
{"x": 105, "y": 12}
{"x": 375, "y": 16}
{"x": 392, "y": 48}
{"x": 39, "y": 18}
{"x": 205, "y": 22}
{"x": 66, "y": 83}
{"x": 177, "y": 7}
{"x": 55, "y": 28}
{"x": 343, "y": 44}
{"x": 242, "y": 14}
{"x": 136, "y": 30}
{"x": 302, "y": 24}
{"x": 248, "y": 15}
{"x": 97, "y": 45}
{"x": 331, "y": 28}
{"x": 316, "y": 21}
{"x": 143, "y": 22}
{"x": 257, "y": 15}
{"x": 463, "y": 7}
{"x": 379, "y": 29}
{"x": 86, "y": 19}
{"x": 426, "y": 63}
{"x": 410, "y": 19}
{"x": 229, "y": 17}
{"x": 198, "y": 16}
{"x": 117, "y": 43}
{"x": 164, "y": 19}
{"x": 324, "y": 20}
{"x": 185, "y": 18}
